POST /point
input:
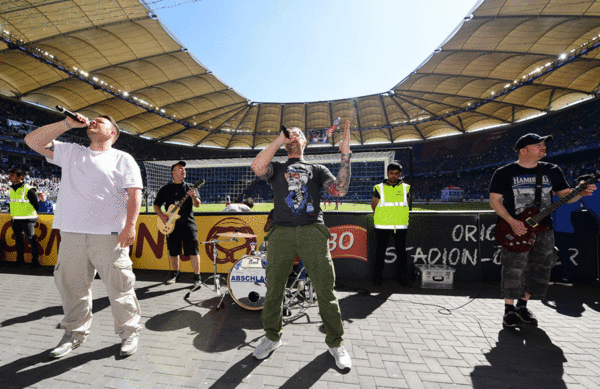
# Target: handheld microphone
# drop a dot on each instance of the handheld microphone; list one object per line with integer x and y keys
{"x": 285, "y": 131}
{"x": 68, "y": 113}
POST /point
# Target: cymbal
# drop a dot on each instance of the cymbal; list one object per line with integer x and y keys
{"x": 236, "y": 235}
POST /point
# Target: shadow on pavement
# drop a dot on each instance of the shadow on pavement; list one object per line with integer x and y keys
{"x": 236, "y": 374}
{"x": 522, "y": 358}
{"x": 572, "y": 301}
{"x": 28, "y": 371}
{"x": 310, "y": 374}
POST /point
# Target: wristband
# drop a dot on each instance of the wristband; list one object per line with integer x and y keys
{"x": 347, "y": 154}
{"x": 67, "y": 123}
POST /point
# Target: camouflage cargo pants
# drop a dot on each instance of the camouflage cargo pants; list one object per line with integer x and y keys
{"x": 529, "y": 272}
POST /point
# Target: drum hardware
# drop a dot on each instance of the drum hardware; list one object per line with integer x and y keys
{"x": 300, "y": 292}
{"x": 236, "y": 235}
{"x": 218, "y": 289}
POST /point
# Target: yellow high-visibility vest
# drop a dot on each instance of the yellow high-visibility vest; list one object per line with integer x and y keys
{"x": 391, "y": 212}
{"x": 20, "y": 207}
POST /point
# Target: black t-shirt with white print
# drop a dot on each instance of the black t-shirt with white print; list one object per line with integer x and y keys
{"x": 170, "y": 194}
{"x": 516, "y": 184}
{"x": 297, "y": 192}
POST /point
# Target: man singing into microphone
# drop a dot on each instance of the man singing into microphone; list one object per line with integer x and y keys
{"x": 298, "y": 229}
{"x": 97, "y": 208}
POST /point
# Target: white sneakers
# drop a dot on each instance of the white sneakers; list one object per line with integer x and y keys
{"x": 342, "y": 358}
{"x": 67, "y": 344}
{"x": 129, "y": 345}
{"x": 266, "y": 346}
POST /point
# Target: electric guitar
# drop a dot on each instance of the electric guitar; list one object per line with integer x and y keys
{"x": 505, "y": 235}
{"x": 166, "y": 227}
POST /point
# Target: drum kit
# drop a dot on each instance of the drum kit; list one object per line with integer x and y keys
{"x": 247, "y": 281}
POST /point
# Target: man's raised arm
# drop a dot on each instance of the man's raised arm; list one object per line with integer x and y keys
{"x": 260, "y": 165}
{"x": 339, "y": 186}
{"x": 41, "y": 139}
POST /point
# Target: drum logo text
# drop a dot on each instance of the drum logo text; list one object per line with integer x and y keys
{"x": 255, "y": 279}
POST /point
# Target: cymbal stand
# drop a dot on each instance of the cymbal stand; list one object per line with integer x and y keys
{"x": 215, "y": 277}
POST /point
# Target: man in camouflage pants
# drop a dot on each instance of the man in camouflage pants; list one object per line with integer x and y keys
{"x": 512, "y": 191}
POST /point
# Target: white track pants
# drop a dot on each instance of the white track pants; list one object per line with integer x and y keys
{"x": 78, "y": 256}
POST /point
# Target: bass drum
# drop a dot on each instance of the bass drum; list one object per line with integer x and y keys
{"x": 247, "y": 281}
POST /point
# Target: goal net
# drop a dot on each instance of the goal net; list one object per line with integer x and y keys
{"x": 230, "y": 179}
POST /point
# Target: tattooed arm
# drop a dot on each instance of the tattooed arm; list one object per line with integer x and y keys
{"x": 42, "y": 139}
{"x": 261, "y": 165}
{"x": 339, "y": 186}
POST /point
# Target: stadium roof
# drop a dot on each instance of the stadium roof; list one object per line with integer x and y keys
{"x": 508, "y": 61}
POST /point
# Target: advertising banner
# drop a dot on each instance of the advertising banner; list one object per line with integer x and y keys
{"x": 349, "y": 243}
{"x": 48, "y": 240}
{"x": 464, "y": 241}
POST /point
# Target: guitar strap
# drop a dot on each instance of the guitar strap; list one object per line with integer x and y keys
{"x": 537, "y": 201}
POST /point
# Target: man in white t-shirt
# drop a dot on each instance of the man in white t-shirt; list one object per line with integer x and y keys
{"x": 245, "y": 206}
{"x": 97, "y": 208}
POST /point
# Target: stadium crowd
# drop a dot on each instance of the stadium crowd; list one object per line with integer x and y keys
{"x": 466, "y": 161}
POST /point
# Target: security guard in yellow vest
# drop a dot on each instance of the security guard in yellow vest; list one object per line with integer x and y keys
{"x": 390, "y": 204}
{"x": 23, "y": 211}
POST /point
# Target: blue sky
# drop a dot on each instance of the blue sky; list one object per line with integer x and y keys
{"x": 305, "y": 50}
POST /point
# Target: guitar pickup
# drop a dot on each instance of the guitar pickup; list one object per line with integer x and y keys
{"x": 531, "y": 222}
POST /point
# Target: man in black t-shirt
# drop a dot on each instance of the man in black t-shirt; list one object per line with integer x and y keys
{"x": 297, "y": 229}
{"x": 185, "y": 232}
{"x": 512, "y": 190}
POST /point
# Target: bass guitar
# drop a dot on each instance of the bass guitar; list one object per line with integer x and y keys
{"x": 531, "y": 217}
{"x": 166, "y": 227}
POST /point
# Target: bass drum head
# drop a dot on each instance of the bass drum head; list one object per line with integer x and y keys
{"x": 247, "y": 282}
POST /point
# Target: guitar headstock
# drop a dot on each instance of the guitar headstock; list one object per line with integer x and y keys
{"x": 589, "y": 178}
{"x": 199, "y": 183}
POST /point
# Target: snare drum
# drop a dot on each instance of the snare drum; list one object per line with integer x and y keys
{"x": 247, "y": 281}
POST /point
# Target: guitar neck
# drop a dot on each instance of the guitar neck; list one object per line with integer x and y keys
{"x": 180, "y": 203}
{"x": 563, "y": 200}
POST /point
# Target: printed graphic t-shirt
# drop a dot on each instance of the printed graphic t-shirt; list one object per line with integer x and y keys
{"x": 517, "y": 186}
{"x": 297, "y": 192}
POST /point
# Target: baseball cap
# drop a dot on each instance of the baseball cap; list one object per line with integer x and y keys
{"x": 531, "y": 139}
{"x": 182, "y": 163}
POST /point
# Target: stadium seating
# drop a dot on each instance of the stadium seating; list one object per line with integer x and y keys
{"x": 467, "y": 161}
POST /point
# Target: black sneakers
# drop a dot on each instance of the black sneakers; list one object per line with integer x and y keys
{"x": 526, "y": 315}
{"x": 173, "y": 278}
{"x": 511, "y": 320}
{"x": 517, "y": 317}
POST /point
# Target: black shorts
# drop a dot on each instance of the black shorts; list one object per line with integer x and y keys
{"x": 183, "y": 236}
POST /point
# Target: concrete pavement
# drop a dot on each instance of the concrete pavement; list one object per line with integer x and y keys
{"x": 397, "y": 338}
